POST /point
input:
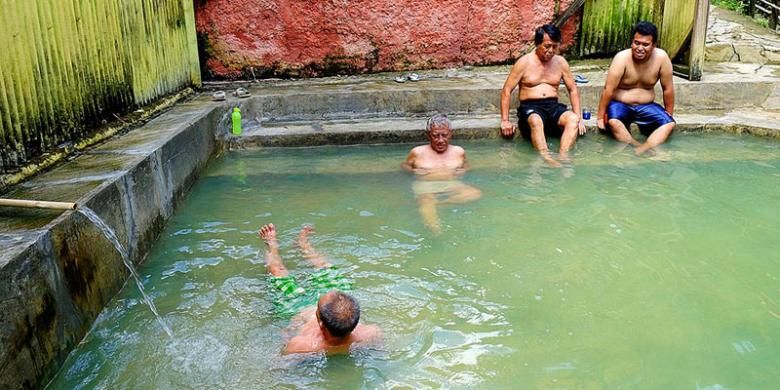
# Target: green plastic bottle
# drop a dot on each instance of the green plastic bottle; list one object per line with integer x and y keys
{"x": 236, "y": 116}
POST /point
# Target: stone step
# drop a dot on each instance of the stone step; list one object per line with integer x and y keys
{"x": 725, "y": 87}
{"x": 477, "y": 126}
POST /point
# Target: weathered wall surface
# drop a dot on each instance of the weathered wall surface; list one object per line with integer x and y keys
{"x": 607, "y": 24}
{"x": 257, "y": 38}
{"x": 67, "y": 65}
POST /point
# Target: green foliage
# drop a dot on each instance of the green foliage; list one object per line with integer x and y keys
{"x": 734, "y": 5}
{"x": 762, "y": 21}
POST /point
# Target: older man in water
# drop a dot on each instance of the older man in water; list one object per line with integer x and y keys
{"x": 438, "y": 167}
{"x": 332, "y": 326}
{"x": 539, "y": 74}
{"x": 629, "y": 92}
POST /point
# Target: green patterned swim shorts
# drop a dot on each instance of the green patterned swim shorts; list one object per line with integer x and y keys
{"x": 291, "y": 298}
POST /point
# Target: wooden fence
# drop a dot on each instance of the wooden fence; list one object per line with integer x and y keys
{"x": 607, "y": 24}
{"x": 68, "y": 64}
{"x": 769, "y": 8}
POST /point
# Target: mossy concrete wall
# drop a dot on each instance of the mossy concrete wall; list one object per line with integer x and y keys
{"x": 58, "y": 272}
{"x": 68, "y": 65}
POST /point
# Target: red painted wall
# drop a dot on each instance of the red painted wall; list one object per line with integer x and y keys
{"x": 321, "y": 37}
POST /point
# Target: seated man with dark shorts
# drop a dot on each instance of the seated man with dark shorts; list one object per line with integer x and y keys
{"x": 629, "y": 92}
{"x": 538, "y": 75}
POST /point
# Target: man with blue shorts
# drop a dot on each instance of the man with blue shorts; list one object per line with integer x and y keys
{"x": 629, "y": 92}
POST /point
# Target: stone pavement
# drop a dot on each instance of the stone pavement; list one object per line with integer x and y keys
{"x": 732, "y": 37}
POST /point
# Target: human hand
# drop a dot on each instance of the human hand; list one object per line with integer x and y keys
{"x": 600, "y": 124}
{"x": 581, "y": 127}
{"x": 508, "y": 129}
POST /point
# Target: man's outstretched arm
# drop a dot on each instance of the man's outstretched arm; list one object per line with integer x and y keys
{"x": 507, "y": 129}
{"x": 574, "y": 96}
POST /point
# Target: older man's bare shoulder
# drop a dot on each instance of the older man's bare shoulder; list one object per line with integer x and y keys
{"x": 560, "y": 60}
{"x": 420, "y": 150}
{"x": 457, "y": 149}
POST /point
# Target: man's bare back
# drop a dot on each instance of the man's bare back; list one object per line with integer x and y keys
{"x": 332, "y": 325}
{"x": 310, "y": 338}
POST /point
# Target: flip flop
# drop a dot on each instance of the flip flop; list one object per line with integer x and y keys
{"x": 413, "y": 77}
{"x": 218, "y": 96}
{"x": 241, "y": 92}
{"x": 400, "y": 79}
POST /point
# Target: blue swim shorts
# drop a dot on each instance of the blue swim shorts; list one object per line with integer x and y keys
{"x": 648, "y": 116}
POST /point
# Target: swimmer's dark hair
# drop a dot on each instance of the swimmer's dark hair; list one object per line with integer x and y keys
{"x": 340, "y": 314}
{"x": 645, "y": 28}
{"x": 553, "y": 32}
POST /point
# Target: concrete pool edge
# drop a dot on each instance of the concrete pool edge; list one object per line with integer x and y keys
{"x": 57, "y": 279}
{"x": 398, "y": 130}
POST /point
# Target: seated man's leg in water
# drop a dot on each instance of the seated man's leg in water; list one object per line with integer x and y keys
{"x": 569, "y": 122}
{"x": 620, "y": 116}
{"x": 534, "y": 126}
{"x": 655, "y": 123}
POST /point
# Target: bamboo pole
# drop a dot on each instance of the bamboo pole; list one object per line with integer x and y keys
{"x": 38, "y": 204}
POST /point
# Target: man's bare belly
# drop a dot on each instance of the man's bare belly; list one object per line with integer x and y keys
{"x": 634, "y": 96}
{"x": 541, "y": 91}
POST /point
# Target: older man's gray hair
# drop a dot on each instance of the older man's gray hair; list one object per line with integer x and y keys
{"x": 438, "y": 120}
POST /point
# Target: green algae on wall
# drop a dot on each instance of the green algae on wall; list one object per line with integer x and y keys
{"x": 679, "y": 16}
{"x": 607, "y": 24}
{"x": 67, "y": 64}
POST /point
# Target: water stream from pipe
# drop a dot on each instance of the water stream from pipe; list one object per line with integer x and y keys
{"x": 109, "y": 233}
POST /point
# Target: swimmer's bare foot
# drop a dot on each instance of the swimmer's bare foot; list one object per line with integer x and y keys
{"x": 303, "y": 238}
{"x": 316, "y": 259}
{"x": 267, "y": 233}
{"x": 273, "y": 262}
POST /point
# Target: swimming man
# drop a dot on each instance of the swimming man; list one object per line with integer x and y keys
{"x": 332, "y": 326}
{"x": 539, "y": 74}
{"x": 629, "y": 92}
{"x": 438, "y": 167}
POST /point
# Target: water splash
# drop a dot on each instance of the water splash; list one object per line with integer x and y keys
{"x": 109, "y": 233}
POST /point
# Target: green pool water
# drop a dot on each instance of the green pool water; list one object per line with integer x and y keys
{"x": 616, "y": 272}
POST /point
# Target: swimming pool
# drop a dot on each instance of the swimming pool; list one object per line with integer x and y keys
{"x": 616, "y": 272}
